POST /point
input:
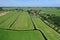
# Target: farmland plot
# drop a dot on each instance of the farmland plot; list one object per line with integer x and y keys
{"x": 5, "y": 17}
{"x": 19, "y": 26}
{"x": 48, "y": 32}
{"x": 6, "y": 24}
{"x": 20, "y": 35}
{"x": 21, "y": 29}
{"x": 23, "y": 22}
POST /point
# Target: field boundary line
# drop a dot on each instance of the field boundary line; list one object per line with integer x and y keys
{"x": 49, "y": 25}
{"x": 38, "y": 29}
{"x": 13, "y": 22}
{"x": 14, "y": 29}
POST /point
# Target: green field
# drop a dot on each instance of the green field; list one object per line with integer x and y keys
{"x": 20, "y": 25}
{"x": 49, "y": 33}
{"x": 20, "y": 35}
{"x": 8, "y": 21}
{"x": 23, "y": 22}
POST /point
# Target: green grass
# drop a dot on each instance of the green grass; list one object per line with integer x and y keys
{"x": 8, "y": 22}
{"x": 48, "y": 32}
{"x": 20, "y": 35}
{"x": 23, "y": 22}
{"x": 5, "y": 17}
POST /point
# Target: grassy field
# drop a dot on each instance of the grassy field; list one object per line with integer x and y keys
{"x": 9, "y": 19}
{"x": 23, "y": 22}
{"x": 19, "y": 25}
{"x": 20, "y": 35}
{"x": 49, "y": 33}
{"x": 5, "y": 17}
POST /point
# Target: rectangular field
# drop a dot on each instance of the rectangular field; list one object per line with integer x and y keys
{"x": 20, "y": 35}
{"x": 7, "y": 20}
{"x": 23, "y": 22}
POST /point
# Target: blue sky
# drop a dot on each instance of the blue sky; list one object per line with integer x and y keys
{"x": 29, "y": 3}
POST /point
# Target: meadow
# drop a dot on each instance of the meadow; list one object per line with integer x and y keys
{"x": 27, "y": 24}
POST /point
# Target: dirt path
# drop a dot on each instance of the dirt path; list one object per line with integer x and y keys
{"x": 4, "y": 13}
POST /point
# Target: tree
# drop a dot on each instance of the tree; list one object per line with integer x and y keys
{"x": 1, "y": 9}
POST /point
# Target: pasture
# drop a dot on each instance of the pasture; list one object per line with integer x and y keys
{"x": 20, "y": 24}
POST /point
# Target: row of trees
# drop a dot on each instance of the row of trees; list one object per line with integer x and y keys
{"x": 55, "y": 19}
{"x": 1, "y": 9}
{"x": 8, "y": 9}
{"x": 16, "y": 9}
{"x": 52, "y": 18}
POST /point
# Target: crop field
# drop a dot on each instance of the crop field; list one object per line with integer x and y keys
{"x": 23, "y": 22}
{"x": 27, "y": 24}
{"x": 49, "y": 33}
{"x": 20, "y": 35}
